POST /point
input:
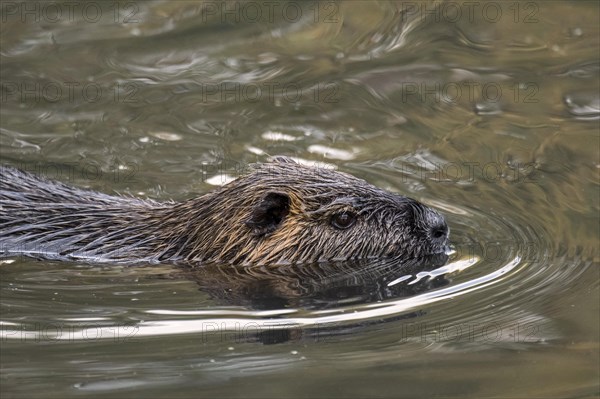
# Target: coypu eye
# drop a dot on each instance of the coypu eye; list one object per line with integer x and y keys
{"x": 343, "y": 220}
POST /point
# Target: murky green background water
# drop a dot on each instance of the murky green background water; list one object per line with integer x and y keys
{"x": 487, "y": 111}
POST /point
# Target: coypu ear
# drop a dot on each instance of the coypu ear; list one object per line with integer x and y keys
{"x": 268, "y": 213}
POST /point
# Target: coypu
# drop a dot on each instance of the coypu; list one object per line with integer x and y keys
{"x": 280, "y": 213}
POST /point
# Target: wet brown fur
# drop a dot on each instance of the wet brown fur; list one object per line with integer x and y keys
{"x": 281, "y": 212}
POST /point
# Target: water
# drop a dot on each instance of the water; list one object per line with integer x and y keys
{"x": 491, "y": 117}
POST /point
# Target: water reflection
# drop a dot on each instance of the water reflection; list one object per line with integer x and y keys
{"x": 313, "y": 287}
{"x": 316, "y": 286}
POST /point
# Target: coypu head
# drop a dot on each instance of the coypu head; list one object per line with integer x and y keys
{"x": 284, "y": 212}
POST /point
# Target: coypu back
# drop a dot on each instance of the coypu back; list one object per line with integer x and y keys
{"x": 281, "y": 212}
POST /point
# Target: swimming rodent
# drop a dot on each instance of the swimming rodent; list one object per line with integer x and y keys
{"x": 281, "y": 212}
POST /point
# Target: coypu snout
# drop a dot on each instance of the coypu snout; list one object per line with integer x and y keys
{"x": 435, "y": 229}
{"x": 280, "y": 212}
{"x": 438, "y": 228}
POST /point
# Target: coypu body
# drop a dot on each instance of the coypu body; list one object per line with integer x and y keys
{"x": 281, "y": 212}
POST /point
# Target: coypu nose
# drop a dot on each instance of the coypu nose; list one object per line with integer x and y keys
{"x": 438, "y": 229}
